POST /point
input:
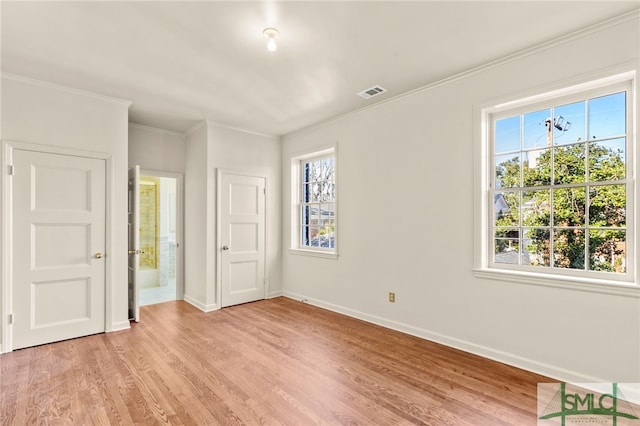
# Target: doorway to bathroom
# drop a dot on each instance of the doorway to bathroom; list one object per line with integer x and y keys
{"x": 160, "y": 232}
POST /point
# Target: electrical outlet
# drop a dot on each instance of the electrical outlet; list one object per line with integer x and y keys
{"x": 392, "y": 297}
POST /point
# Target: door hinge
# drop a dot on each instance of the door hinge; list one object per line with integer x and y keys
{"x": 10, "y": 319}
{"x": 264, "y": 191}
{"x": 10, "y": 169}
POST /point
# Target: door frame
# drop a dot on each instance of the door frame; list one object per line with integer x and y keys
{"x": 250, "y": 173}
{"x": 179, "y": 224}
{"x": 6, "y": 230}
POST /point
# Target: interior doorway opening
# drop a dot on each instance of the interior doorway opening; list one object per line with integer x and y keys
{"x": 159, "y": 239}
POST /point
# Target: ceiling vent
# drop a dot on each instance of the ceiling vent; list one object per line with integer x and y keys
{"x": 371, "y": 92}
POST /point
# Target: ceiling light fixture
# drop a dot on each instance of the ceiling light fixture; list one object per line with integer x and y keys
{"x": 271, "y": 34}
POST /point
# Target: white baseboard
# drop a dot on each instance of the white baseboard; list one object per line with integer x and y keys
{"x": 119, "y": 326}
{"x": 554, "y": 372}
{"x": 202, "y": 306}
{"x": 274, "y": 294}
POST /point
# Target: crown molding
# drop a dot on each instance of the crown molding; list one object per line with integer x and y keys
{"x": 156, "y": 129}
{"x": 195, "y": 127}
{"x": 68, "y": 89}
{"x": 540, "y": 47}
{"x": 237, "y": 129}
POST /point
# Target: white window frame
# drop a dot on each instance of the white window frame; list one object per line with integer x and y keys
{"x": 577, "y": 89}
{"x": 296, "y": 202}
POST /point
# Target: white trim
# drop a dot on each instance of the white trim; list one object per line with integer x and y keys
{"x": 8, "y": 147}
{"x": 238, "y": 129}
{"x": 618, "y": 288}
{"x": 155, "y": 129}
{"x": 294, "y": 196}
{"x": 202, "y": 306}
{"x": 220, "y": 171}
{"x": 272, "y": 295}
{"x": 540, "y": 47}
{"x": 609, "y": 76}
{"x": 194, "y": 128}
{"x": 313, "y": 253}
{"x": 56, "y": 86}
{"x": 119, "y": 326}
{"x": 517, "y": 361}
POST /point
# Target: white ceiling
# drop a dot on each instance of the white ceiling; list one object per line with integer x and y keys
{"x": 180, "y": 62}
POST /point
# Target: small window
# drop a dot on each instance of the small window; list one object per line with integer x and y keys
{"x": 560, "y": 187}
{"x": 315, "y": 192}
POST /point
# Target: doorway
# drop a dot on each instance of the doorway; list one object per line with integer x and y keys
{"x": 159, "y": 238}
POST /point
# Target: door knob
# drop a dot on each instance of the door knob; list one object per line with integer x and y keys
{"x": 98, "y": 256}
{"x": 225, "y": 247}
{"x": 133, "y": 251}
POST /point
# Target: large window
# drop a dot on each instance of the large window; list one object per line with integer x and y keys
{"x": 561, "y": 185}
{"x": 316, "y": 202}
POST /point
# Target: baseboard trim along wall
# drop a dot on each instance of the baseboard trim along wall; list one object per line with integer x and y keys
{"x": 202, "y": 306}
{"x": 119, "y": 326}
{"x": 548, "y": 370}
{"x": 275, "y": 294}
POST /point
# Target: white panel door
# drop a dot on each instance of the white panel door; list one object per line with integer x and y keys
{"x": 58, "y": 224}
{"x": 133, "y": 216}
{"x": 242, "y": 237}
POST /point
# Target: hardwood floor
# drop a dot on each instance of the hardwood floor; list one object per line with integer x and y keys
{"x": 277, "y": 361}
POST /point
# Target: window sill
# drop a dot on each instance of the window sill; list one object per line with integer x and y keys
{"x": 313, "y": 253}
{"x": 616, "y": 288}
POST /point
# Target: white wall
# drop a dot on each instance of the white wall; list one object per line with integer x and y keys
{"x": 209, "y": 147}
{"x": 156, "y": 149}
{"x": 45, "y": 114}
{"x": 406, "y": 224}
{"x": 196, "y": 188}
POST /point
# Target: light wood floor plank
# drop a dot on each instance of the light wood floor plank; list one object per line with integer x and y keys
{"x": 274, "y": 362}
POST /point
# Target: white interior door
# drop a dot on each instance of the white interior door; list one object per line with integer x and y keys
{"x": 58, "y": 224}
{"x": 242, "y": 238}
{"x": 133, "y": 219}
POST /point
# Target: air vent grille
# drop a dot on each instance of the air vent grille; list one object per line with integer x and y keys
{"x": 371, "y": 92}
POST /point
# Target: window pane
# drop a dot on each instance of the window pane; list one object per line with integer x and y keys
{"x": 507, "y": 136}
{"x": 607, "y": 116}
{"x": 315, "y": 191}
{"x": 328, "y": 169}
{"x": 607, "y": 160}
{"x": 569, "y": 206}
{"x": 569, "y": 164}
{"x": 536, "y": 247}
{"x": 306, "y": 172}
{"x": 306, "y": 193}
{"x": 569, "y": 124}
{"x": 608, "y": 251}
{"x": 535, "y": 130}
{"x": 536, "y": 208}
{"x": 304, "y": 215}
{"x": 304, "y": 237}
{"x": 607, "y": 205}
{"x": 506, "y": 208}
{"x": 568, "y": 248}
{"x": 313, "y": 237}
{"x": 316, "y": 171}
{"x": 536, "y": 168}
{"x": 507, "y": 171}
{"x": 507, "y": 246}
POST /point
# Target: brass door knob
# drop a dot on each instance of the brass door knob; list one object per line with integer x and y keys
{"x": 225, "y": 247}
{"x": 98, "y": 256}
